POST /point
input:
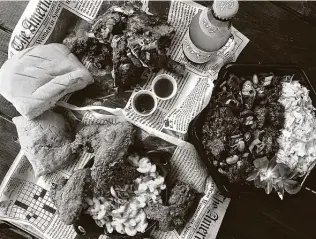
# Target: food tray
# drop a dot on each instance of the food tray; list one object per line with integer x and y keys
{"x": 194, "y": 133}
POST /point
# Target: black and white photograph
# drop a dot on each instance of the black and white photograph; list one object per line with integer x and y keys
{"x": 157, "y": 119}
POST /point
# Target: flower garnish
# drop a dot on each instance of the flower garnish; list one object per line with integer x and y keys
{"x": 269, "y": 174}
{"x": 264, "y": 173}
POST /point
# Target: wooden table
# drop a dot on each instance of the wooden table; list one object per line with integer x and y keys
{"x": 279, "y": 32}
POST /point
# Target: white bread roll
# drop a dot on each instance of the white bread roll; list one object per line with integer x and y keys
{"x": 46, "y": 141}
{"x": 36, "y": 78}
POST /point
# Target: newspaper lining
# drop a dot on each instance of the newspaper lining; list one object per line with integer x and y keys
{"x": 24, "y": 199}
{"x": 195, "y": 87}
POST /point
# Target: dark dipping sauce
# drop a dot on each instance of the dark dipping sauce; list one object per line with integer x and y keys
{"x": 163, "y": 88}
{"x": 144, "y": 103}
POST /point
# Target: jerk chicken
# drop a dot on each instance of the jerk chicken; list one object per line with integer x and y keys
{"x": 243, "y": 122}
{"x": 128, "y": 40}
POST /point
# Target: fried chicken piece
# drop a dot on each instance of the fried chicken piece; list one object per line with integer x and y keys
{"x": 69, "y": 195}
{"x": 107, "y": 141}
{"x": 109, "y": 144}
{"x": 175, "y": 214}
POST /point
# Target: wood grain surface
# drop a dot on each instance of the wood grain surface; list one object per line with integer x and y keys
{"x": 4, "y": 40}
{"x": 8, "y": 231}
{"x": 10, "y": 13}
{"x": 279, "y": 32}
{"x": 276, "y": 36}
{"x": 9, "y": 146}
{"x": 3, "y": 57}
{"x": 304, "y": 9}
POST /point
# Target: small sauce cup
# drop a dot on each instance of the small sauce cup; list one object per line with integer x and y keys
{"x": 164, "y": 86}
{"x": 144, "y": 103}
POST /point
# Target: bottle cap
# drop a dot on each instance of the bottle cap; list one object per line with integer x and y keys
{"x": 225, "y": 9}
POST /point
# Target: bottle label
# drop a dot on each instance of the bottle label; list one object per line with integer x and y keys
{"x": 226, "y": 5}
{"x": 208, "y": 28}
{"x": 193, "y": 53}
{"x": 226, "y": 53}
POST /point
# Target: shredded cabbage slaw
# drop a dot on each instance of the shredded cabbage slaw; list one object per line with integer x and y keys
{"x": 298, "y": 137}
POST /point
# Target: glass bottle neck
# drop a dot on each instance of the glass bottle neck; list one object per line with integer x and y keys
{"x": 214, "y": 20}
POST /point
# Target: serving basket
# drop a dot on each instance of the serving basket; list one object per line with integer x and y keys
{"x": 194, "y": 134}
{"x": 86, "y": 227}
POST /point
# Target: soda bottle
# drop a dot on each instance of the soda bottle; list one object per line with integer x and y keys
{"x": 209, "y": 30}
